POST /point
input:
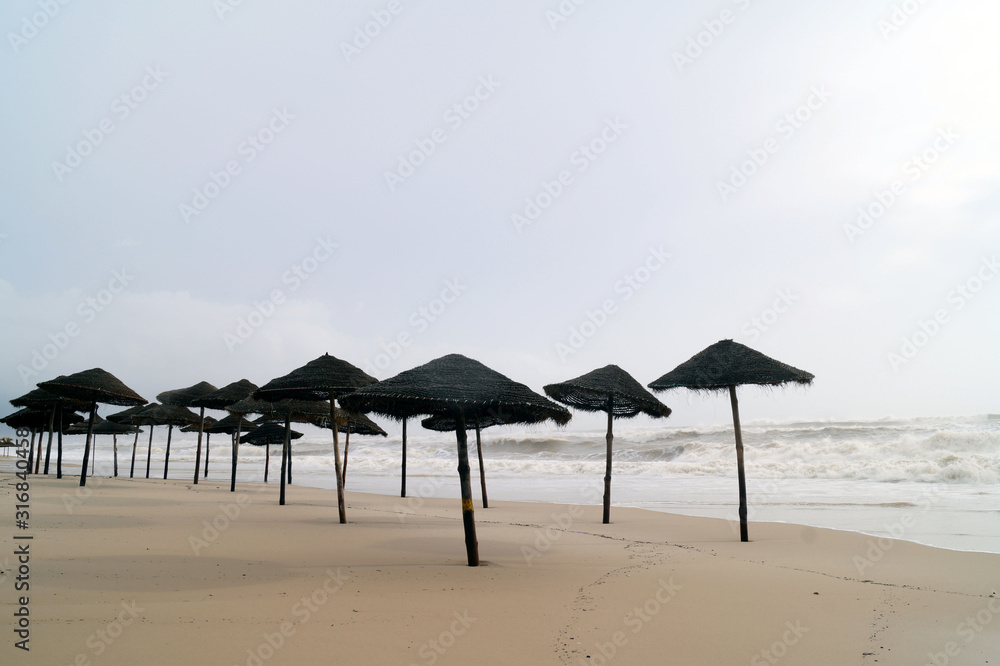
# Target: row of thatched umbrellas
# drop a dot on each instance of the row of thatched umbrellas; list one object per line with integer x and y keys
{"x": 453, "y": 391}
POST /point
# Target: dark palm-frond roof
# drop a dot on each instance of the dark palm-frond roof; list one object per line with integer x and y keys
{"x": 125, "y": 416}
{"x": 94, "y": 385}
{"x": 185, "y": 397}
{"x": 448, "y": 424}
{"x": 226, "y": 395}
{"x": 593, "y": 391}
{"x": 729, "y": 363}
{"x": 156, "y": 414}
{"x": 38, "y": 419}
{"x": 209, "y": 422}
{"x": 42, "y": 399}
{"x": 269, "y": 433}
{"x": 452, "y": 383}
{"x": 229, "y": 424}
{"x": 359, "y": 423}
{"x": 315, "y": 380}
{"x": 302, "y": 411}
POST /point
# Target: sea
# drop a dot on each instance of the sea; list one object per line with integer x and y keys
{"x": 930, "y": 480}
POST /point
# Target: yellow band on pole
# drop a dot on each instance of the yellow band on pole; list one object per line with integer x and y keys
{"x": 467, "y": 505}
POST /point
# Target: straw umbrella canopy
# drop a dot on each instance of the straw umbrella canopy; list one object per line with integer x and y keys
{"x": 94, "y": 386}
{"x": 270, "y": 432}
{"x": 348, "y": 422}
{"x": 41, "y": 399}
{"x": 464, "y": 389}
{"x": 323, "y": 378}
{"x": 300, "y": 411}
{"x": 225, "y": 396}
{"x": 724, "y": 366}
{"x": 185, "y": 397}
{"x": 105, "y": 427}
{"x": 609, "y": 389}
{"x": 168, "y": 415}
{"x": 125, "y": 416}
{"x": 448, "y": 424}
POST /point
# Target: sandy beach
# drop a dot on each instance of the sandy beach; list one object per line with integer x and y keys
{"x": 165, "y": 572}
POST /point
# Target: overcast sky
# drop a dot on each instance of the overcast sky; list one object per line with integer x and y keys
{"x": 200, "y": 191}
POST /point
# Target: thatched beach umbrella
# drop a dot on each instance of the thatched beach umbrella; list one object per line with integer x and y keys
{"x": 168, "y": 415}
{"x": 464, "y": 389}
{"x": 724, "y": 366}
{"x": 348, "y": 422}
{"x": 225, "y": 396}
{"x": 105, "y": 427}
{"x": 42, "y": 399}
{"x": 609, "y": 389}
{"x": 449, "y": 424}
{"x": 300, "y": 411}
{"x": 266, "y": 434}
{"x": 94, "y": 385}
{"x": 323, "y": 378}
{"x": 37, "y": 420}
{"x": 125, "y": 416}
{"x": 186, "y": 397}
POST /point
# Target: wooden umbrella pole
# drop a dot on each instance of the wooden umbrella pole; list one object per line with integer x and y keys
{"x": 48, "y": 448}
{"x": 166, "y": 459}
{"x": 236, "y": 452}
{"x": 336, "y": 460}
{"x": 208, "y": 449}
{"x": 197, "y": 454}
{"x": 482, "y": 470}
{"x": 86, "y": 447}
{"x": 135, "y": 443}
{"x": 149, "y": 449}
{"x": 347, "y": 444}
{"x": 114, "y": 444}
{"x": 468, "y": 514}
{"x": 284, "y": 457}
{"x": 31, "y": 450}
{"x": 402, "y": 490}
{"x": 607, "y": 466}
{"x": 288, "y": 445}
{"x": 739, "y": 464}
{"x": 267, "y": 460}
{"x": 93, "y": 457}
{"x": 59, "y": 445}
{"x": 38, "y": 453}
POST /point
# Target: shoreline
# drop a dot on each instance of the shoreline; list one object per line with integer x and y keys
{"x": 220, "y": 577}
